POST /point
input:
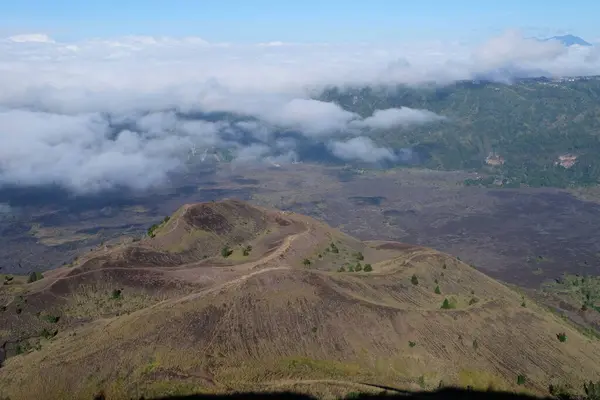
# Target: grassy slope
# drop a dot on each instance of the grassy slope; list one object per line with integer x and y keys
{"x": 272, "y": 322}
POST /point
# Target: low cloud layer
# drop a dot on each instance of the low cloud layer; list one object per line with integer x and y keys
{"x": 96, "y": 114}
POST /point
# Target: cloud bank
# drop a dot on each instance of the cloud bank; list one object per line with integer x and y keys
{"x": 96, "y": 114}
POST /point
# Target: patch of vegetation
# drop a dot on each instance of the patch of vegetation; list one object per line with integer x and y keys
{"x": 46, "y": 334}
{"x": 341, "y": 269}
{"x": 473, "y": 301}
{"x": 576, "y": 289}
{"x": 561, "y": 391}
{"x": 226, "y": 252}
{"x": 368, "y": 268}
{"x": 562, "y": 337}
{"x": 414, "y": 280}
{"x": 351, "y": 268}
{"x": 448, "y": 305}
{"x": 358, "y": 267}
{"x": 359, "y": 256}
{"x": 444, "y": 266}
{"x": 521, "y": 379}
{"x": 53, "y": 319}
{"x": 116, "y": 294}
{"x": 247, "y": 250}
{"x": 592, "y": 390}
{"x": 412, "y": 344}
{"x": 437, "y": 290}
{"x": 475, "y": 344}
{"x": 306, "y": 262}
{"x": 334, "y": 248}
{"x": 34, "y": 276}
{"x": 421, "y": 381}
{"x": 152, "y": 230}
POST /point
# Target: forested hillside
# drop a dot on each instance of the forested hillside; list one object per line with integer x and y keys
{"x": 527, "y": 124}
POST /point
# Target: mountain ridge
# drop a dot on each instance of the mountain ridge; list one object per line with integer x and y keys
{"x": 296, "y": 309}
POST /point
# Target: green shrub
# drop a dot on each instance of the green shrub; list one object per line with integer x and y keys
{"x": 226, "y": 252}
{"x": 592, "y": 390}
{"x": 368, "y": 268}
{"x": 473, "y": 301}
{"x": 152, "y": 230}
{"x": 358, "y": 267}
{"x": 414, "y": 280}
{"x": 411, "y": 344}
{"x": 562, "y": 337}
{"x": 166, "y": 219}
{"x": 116, "y": 294}
{"x": 306, "y": 262}
{"x": 437, "y": 290}
{"x": 444, "y": 266}
{"x": 341, "y": 269}
{"x": 351, "y": 268}
{"x": 359, "y": 256}
{"x": 52, "y": 318}
{"x": 247, "y": 250}
{"x": 446, "y": 305}
{"x": 521, "y": 380}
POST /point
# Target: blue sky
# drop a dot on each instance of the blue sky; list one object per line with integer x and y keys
{"x": 300, "y": 21}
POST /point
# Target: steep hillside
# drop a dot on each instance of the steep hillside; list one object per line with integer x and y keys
{"x": 528, "y": 124}
{"x": 307, "y": 307}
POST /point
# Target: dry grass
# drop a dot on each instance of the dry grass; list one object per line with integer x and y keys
{"x": 267, "y": 321}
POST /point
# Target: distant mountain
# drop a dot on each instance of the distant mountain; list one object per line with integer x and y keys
{"x": 570, "y": 40}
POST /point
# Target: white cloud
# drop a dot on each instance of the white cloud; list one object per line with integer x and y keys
{"x": 360, "y": 148}
{"x": 56, "y": 96}
{"x": 32, "y": 38}
{"x": 404, "y": 116}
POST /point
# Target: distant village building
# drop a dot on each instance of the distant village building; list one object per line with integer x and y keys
{"x": 566, "y": 160}
{"x": 494, "y": 159}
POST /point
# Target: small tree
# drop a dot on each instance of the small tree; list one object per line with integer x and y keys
{"x": 247, "y": 250}
{"x": 341, "y": 269}
{"x": 306, "y": 262}
{"x": 359, "y": 256}
{"x": 521, "y": 380}
{"x": 411, "y": 344}
{"x": 437, "y": 290}
{"x": 358, "y": 267}
{"x": 446, "y": 305}
{"x": 444, "y": 266}
{"x": 351, "y": 268}
{"x": 368, "y": 268}
{"x": 414, "y": 280}
{"x": 226, "y": 252}
{"x": 116, "y": 294}
{"x": 562, "y": 337}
